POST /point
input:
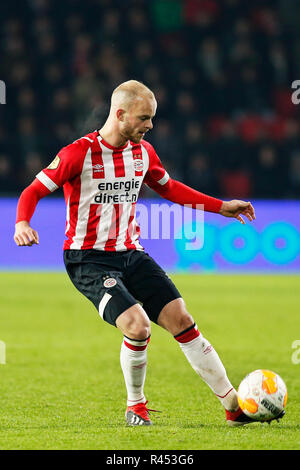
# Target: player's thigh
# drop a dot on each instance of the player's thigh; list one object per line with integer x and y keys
{"x": 150, "y": 284}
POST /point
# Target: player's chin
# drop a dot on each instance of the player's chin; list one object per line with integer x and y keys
{"x": 137, "y": 137}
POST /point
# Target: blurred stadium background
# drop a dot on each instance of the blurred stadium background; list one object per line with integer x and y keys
{"x": 222, "y": 71}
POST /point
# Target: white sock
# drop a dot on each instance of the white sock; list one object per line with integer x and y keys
{"x": 133, "y": 360}
{"x": 206, "y": 362}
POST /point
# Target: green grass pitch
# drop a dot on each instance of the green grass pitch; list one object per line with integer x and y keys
{"x": 62, "y": 386}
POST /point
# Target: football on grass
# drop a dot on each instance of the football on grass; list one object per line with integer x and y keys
{"x": 262, "y": 395}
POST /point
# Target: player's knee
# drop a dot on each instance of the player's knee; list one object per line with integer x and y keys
{"x": 183, "y": 322}
{"x": 138, "y": 330}
{"x": 134, "y": 323}
{"x": 175, "y": 318}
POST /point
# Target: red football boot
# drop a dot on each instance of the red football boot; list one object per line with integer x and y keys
{"x": 238, "y": 418}
{"x": 138, "y": 415}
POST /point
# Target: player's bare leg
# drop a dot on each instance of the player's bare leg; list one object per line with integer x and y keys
{"x": 198, "y": 351}
{"x": 135, "y": 326}
{"x": 134, "y": 323}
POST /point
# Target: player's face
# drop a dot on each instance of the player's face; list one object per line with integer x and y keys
{"x": 138, "y": 119}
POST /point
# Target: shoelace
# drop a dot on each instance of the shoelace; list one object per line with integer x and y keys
{"x": 142, "y": 407}
{"x": 149, "y": 409}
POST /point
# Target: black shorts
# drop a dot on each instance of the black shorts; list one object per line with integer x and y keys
{"x": 114, "y": 281}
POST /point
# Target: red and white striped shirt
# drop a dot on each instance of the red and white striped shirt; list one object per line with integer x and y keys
{"x": 101, "y": 186}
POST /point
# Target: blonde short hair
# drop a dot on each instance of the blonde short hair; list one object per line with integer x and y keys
{"x": 128, "y": 92}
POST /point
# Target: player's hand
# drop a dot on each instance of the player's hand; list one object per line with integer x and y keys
{"x": 25, "y": 235}
{"x": 236, "y": 209}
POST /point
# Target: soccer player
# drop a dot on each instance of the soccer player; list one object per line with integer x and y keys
{"x": 101, "y": 175}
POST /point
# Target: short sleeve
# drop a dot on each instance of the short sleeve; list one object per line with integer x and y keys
{"x": 156, "y": 174}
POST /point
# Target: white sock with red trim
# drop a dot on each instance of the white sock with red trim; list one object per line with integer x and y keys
{"x": 206, "y": 362}
{"x": 133, "y": 360}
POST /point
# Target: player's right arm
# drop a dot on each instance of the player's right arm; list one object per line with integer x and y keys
{"x": 66, "y": 165}
{"x": 25, "y": 235}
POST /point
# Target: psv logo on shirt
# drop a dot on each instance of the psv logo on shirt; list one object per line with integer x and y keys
{"x": 138, "y": 165}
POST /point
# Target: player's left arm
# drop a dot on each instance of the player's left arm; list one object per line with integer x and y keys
{"x": 236, "y": 209}
{"x": 177, "y": 192}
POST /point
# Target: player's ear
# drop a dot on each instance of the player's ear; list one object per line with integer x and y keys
{"x": 120, "y": 114}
